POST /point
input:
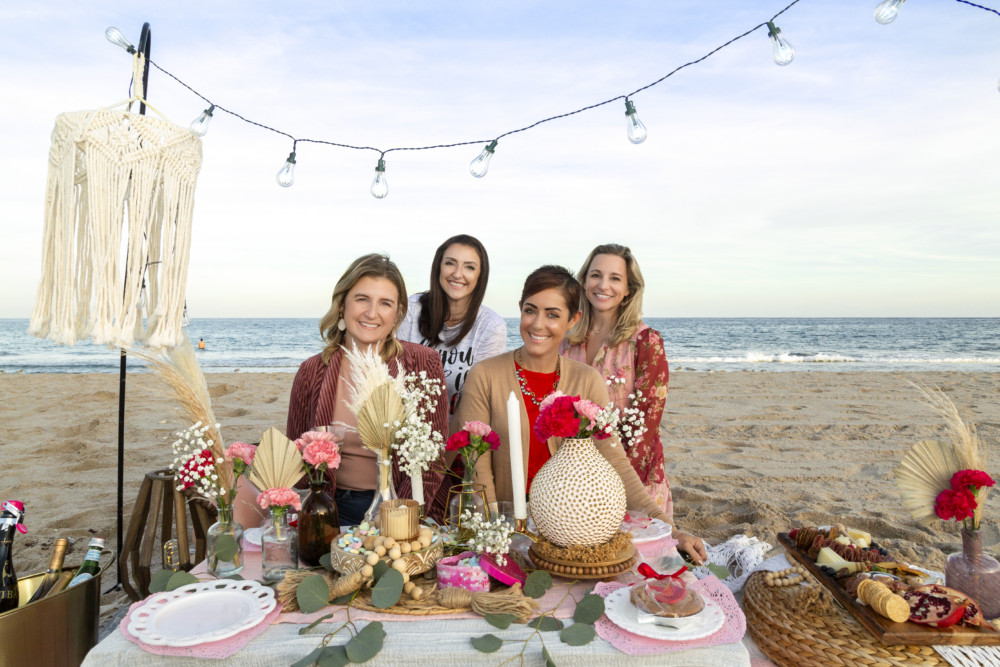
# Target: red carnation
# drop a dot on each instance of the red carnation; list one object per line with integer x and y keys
{"x": 458, "y": 440}
{"x": 972, "y": 480}
{"x": 558, "y": 419}
{"x": 492, "y": 439}
{"x": 957, "y": 504}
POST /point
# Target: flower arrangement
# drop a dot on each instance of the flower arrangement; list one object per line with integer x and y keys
{"x": 472, "y": 441}
{"x": 280, "y": 499}
{"x": 416, "y": 443}
{"x": 492, "y": 537}
{"x": 197, "y": 467}
{"x": 320, "y": 452}
{"x": 961, "y": 501}
{"x": 564, "y": 416}
{"x": 632, "y": 420}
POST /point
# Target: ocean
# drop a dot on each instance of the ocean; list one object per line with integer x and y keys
{"x": 692, "y": 344}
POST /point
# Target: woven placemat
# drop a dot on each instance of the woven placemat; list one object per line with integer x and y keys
{"x": 790, "y": 637}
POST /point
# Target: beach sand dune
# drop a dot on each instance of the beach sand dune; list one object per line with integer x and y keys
{"x": 748, "y": 452}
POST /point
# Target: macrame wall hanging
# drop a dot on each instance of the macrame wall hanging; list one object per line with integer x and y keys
{"x": 118, "y": 211}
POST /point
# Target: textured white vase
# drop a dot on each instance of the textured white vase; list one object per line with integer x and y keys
{"x": 577, "y": 497}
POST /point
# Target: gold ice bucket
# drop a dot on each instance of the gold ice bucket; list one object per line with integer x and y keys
{"x": 57, "y": 630}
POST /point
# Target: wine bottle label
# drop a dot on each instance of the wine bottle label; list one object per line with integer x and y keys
{"x": 80, "y": 578}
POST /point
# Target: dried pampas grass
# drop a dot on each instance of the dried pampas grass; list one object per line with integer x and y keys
{"x": 277, "y": 462}
{"x": 927, "y": 468}
{"x": 375, "y": 398}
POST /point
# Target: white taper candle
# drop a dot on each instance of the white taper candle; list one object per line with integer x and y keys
{"x": 516, "y": 456}
{"x": 417, "y": 484}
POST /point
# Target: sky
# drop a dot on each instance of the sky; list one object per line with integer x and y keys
{"x": 860, "y": 180}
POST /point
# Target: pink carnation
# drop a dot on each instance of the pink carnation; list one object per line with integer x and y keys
{"x": 458, "y": 440}
{"x": 313, "y": 436}
{"x": 280, "y": 496}
{"x": 973, "y": 480}
{"x": 558, "y": 419}
{"x": 549, "y": 400}
{"x": 587, "y": 409}
{"x": 492, "y": 439}
{"x": 241, "y": 450}
{"x": 319, "y": 452}
{"x": 956, "y": 504}
{"x": 477, "y": 428}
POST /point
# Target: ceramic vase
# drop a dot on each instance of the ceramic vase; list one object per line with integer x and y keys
{"x": 224, "y": 545}
{"x": 577, "y": 497}
{"x": 974, "y": 573}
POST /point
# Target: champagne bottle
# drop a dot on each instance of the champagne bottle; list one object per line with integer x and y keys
{"x": 52, "y": 574}
{"x": 90, "y": 565}
{"x": 61, "y": 583}
{"x": 11, "y": 519}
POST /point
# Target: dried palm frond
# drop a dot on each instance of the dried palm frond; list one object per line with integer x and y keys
{"x": 178, "y": 368}
{"x": 927, "y": 468}
{"x": 375, "y": 398}
{"x": 277, "y": 462}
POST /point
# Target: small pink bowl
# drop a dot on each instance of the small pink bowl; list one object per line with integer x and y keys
{"x": 450, "y": 574}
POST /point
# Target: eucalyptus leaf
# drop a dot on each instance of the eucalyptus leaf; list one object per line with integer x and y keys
{"x": 309, "y": 659}
{"x": 312, "y": 593}
{"x": 366, "y": 644}
{"x": 487, "y": 643}
{"x": 589, "y": 609}
{"x": 225, "y": 548}
{"x": 178, "y": 579}
{"x": 158, "y": 582}
{"x": 334, "y": 656}
{"x": 545, "y": 624}
{"x": 380, "y": 568}
{"x": 549, "y": 662}
{"x": 537, "y": 583}
{"x": 343, "y": 599}
{"x": 720, "y": 571}
{"x": 501, "y": 621}
{"x": 577, "y": 634}
{"x": 388, "y": 589}
{"x": 324, "y": 560}
{"x": 312, "y": 625}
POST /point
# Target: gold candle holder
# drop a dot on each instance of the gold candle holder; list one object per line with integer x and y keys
{"x": 521, "y": 528}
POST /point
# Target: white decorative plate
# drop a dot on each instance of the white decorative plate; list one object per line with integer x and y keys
{"x": 253, "y": 535}
{"x": 656, "y": 530}
{"x": 199, "y": 613}
{"x": 620, "y": 611}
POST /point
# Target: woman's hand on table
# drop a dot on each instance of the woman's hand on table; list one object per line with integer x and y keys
{"x": 693, "y": 546}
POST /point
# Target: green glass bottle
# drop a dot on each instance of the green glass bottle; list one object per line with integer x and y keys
{"x": 90, "y": 566}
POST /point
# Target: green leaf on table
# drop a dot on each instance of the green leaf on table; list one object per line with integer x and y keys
{"x": 158, "y": 582}
{"x": 589, "y": 609}
{"x": 720, "y": 571}
{"x": 324, "y": 560}
{"x": 380, "y": 568}
{"x": 366, "y": 644}
{"x": 343, "y": 599}
{"x": 309, "y": 659}
{"x": 388, "y": 589}
{"x": 549, "y": 662}
{"x": 333, "y": 656}
{"x": 312, "y": 625}
{"x": 545, "y": 624}
{"x": 312, "y": 593}
{"x": 501, "y": 621}
{"x": 537, "y": 583}
{"x": 577, "y": 634}
{"x": 487, "y": 643}
{"x": 178, "y": 579}
{"x": 225, "y": 548}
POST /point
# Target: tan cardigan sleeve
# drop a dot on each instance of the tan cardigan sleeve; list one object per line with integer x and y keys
{"x": 476, "y": 405}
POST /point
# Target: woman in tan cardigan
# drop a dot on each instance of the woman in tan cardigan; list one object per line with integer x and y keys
{"x": 549, "y": 308}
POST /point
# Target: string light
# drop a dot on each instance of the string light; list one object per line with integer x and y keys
{"x": 380, "y": 187}
{"x": 286, "y": 175}
{"x": 481, "y": 163}
{"x": 782, "y": 50}
{"x": 636, "y": 129}
{"x": 200, "y": 124}
{"x": 887, "y": 11}
{"x": 116, "y": 37}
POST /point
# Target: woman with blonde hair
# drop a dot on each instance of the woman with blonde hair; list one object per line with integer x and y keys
{"x": 368, "y": 304}
{"x": 549, "y": 308}
{"x": 612, "y": 338}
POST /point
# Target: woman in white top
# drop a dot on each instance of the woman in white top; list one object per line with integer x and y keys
{"x": 450, "y": 317}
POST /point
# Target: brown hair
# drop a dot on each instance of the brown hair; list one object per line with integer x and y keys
{"x": 374, "y": 265}
{"x": 629, "y": 310}
{"x": 434, "y": 306}
{"x": 554, "y": 277}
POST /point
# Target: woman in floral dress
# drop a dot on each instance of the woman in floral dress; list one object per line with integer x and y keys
{"x": 612, "y": 338}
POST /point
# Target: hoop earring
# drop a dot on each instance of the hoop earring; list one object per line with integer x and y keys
{"x": 341, "y": 324}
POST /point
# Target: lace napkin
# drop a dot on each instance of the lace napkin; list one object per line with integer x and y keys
{"x": 730, "y": 633}
{"x": 222, "y": 648}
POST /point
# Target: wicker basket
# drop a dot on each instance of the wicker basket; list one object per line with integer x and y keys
{"x": 791, "y": 638}
{"x": 416, "y": 561}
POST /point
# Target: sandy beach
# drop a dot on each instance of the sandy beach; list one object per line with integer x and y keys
{"x": 747, "y": 452}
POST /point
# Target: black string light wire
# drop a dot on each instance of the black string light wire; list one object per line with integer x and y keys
{"x": 782, "y": 52}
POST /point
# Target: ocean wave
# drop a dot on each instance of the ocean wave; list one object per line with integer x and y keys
{"x": 754, "y": 357}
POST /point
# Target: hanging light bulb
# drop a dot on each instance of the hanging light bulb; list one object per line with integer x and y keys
{"x": 200, "y": 124}
{"x": 782, "y": 50}
{"x": 115, "y": 36}
{"x": 887, "y": 11}
{"x": 380, "y": 187}
{"x": 479, "y": 166}
{"x": 636, "y": 130}
{"x": 286, "y": 176}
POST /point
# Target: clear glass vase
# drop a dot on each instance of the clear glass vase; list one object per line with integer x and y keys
{"x": 384, "y": 491}
{"x": 279, "y": 546}
{"x": 224, "y": 545}
{"x": 469, "y": 496}
{"x": 319, "y": 523}
{"x": 974, "y": 573}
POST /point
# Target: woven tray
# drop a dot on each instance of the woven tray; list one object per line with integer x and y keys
{"x": 417, "y": 562}
{"x": 790, "y": 638}
{"x": 622, "y": 562}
